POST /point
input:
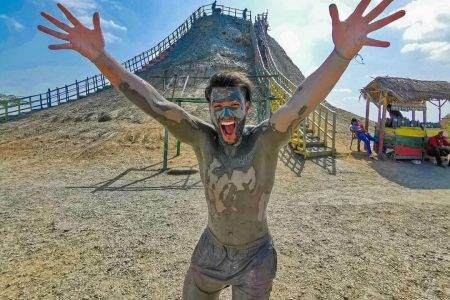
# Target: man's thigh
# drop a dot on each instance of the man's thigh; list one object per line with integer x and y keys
{"x": 444, "y": 151}
{"x": 198, "y": 286}
{"x": 256, "y": 281}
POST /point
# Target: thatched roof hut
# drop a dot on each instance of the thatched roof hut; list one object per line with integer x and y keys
{"x": 403, "y": 94}
{"x": 406, "y": 93}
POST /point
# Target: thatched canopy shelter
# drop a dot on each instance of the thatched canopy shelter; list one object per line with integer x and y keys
{"x": 406, "y": 93}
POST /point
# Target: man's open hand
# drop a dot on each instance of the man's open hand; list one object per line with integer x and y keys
{"x": 350, "y": 36}
{"x": 88, "y": 42}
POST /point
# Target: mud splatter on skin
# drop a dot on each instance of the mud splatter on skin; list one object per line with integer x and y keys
{"x": 187, "y": 128}
{"x": 238, "y": 178}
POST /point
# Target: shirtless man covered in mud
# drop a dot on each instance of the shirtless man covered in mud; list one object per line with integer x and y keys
{"x": 237, "y": 162}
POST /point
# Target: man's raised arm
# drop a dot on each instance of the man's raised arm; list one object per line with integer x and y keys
{"x": 349, "y": 37}
{"x": 90, "y": 43}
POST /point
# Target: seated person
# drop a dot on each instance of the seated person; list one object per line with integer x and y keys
{"x": 438, "y": 146}
{"x": 394, "y": 116}
{"x": 362, "y": 135}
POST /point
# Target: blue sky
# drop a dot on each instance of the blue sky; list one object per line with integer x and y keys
{"x": 420, "y": 41}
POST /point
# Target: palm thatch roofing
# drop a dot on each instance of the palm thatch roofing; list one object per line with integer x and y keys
{"x": 406, "y": 91}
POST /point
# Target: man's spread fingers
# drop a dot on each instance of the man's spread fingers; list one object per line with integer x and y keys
{"x": 362, "y": 6}
{"x": 334, "y": 13}
{"x": 96, "y": 21}
{"x": 56, "y": 34}
{"x": 376, "y": 43}
{"x": 385, "y": 21}
{"x": 56, "y": 22}
{"x": 69, "y": 15}
{"x": 377, "y": 10}
{"x": 60, "y": 46}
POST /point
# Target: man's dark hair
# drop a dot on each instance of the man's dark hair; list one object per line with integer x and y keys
{"x": 230, "y": 79}
{"x": 354, "y": 120}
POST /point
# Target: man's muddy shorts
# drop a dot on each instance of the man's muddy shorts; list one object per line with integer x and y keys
{"x": 250, "y": 269}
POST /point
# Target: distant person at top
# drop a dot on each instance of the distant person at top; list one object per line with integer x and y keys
{"x": 362, "y": 134}
{"x": 244, "y": 14}
{"x": 438, "y": 146}
{"x": 213, "y": 7}
{"x": 237, "y": 163}
{"x": 394, "y": 116}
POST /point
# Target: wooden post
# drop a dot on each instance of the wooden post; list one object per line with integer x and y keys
{"x": 424, "y": 115}
{"x": 382, "y": 126}
{"x": 325, "y": 137}
{"x": 166, "y": 149}
{"x": 40, "y": 100}
{"x": 77, "y": 89}
{"x": 366, "y": 124}
{"x": 178, "y": 141}
{"x": 58, "y": 96}
{"x": 304, "y": 137}
{"x": 29, "y": 101}
{"x": 86, "y": 86}
{"x": 313, "y": 120}
{"x": 95, "y": 83}
{"x": 49, "y": 100}
{"x": 319, "y": 122}
{"x": 440, "y": 111}
{"x": 19, "y": 104}
{"x": 333, "y": 134}
{"x": 66, "y": 90}
{"x": 414, "y": 115}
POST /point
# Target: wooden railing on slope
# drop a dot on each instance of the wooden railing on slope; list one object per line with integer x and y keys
{"x": 321, "y": 122}
{"x": 85, "y": 87}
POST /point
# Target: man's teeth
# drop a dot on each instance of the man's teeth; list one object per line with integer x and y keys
{"x": 226, "y": 123}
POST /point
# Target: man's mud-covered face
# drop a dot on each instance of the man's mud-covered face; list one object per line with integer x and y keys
{"x": 228, "y": 111}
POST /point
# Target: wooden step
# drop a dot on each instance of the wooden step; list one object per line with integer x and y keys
{"x": 312, "y": 143}
{"x": 314, "y": 152}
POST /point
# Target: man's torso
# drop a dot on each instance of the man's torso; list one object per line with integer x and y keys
{"x": 238, "y": 181}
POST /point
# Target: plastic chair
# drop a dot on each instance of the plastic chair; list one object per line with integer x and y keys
{"x": 354, "y": 137}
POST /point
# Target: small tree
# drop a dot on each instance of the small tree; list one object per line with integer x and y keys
{"x": 17, "y": 102}
{"x": 4, "y": 103}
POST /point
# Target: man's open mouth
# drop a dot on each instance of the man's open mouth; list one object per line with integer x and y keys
{"x": 228, "y": 128}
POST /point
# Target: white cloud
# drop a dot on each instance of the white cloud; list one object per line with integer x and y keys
{"x": 438, "y": 51}
{"x": 302, "y": 27}
{"x": 12, "y": 23}
{"x": 343, "y": 90}
{"x": 79, "y": 5}
{"x": 351, "y": 98}
{"x": 426, "y": 28}
{"x": 113, "y": 25}
{"x": 111, "y": 38}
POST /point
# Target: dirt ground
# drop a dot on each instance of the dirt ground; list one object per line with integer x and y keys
{"x": 117, "y": 227}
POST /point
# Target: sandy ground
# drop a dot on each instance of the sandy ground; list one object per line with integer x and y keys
{"x": 119, "y": 228}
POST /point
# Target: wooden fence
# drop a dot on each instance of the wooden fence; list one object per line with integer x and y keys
{"x": 83, "y": 88}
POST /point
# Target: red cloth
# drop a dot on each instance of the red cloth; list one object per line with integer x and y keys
{"x": 437, "y": 141}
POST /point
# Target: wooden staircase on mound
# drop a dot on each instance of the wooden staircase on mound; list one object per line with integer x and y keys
{"x": 316, "y": 135}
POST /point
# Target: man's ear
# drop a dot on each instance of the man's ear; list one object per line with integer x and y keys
{"x": 248, "y": 107}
